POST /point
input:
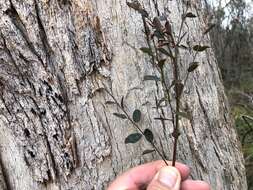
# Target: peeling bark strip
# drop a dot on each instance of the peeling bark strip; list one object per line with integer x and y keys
{"x": 55, "y": 130}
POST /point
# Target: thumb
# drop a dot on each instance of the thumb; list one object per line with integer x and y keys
{"x": 168, "y": 178}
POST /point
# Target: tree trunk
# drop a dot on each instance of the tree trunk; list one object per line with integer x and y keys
{"x": 56, "y": 56}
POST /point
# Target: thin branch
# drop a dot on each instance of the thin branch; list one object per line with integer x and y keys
{"x": 136, "y": 126}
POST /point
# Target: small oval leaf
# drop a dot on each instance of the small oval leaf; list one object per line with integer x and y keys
{"x": 137, "y": 115}
{"x": 146, "y": 50}
{"x": 151, "y": 77}
{"x": 119, "y": 115}
{"x": 149, "y": 135}
{"x": 165, "y": 52}
{"x": 134, "y": 5}
{"x": 148, "y": 151}
{"x": 133, "y": 138}
{"x": 200, "y": 48}
{"x": 193, "y": 66}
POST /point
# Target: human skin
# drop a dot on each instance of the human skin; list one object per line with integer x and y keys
{"x": 141, "y": 176}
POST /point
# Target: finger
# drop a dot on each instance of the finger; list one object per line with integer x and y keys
{"x": 194, "y": 184}
{"x": 143, "y": 174}
{"x": 168, "y": 178}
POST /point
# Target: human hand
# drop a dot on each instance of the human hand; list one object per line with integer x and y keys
{"x": 157, "y": 176}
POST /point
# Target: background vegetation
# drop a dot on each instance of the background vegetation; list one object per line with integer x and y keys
{"x": 232, "y": 39}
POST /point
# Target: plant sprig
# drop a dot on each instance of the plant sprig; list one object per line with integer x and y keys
{"x": 162, "y": 46}
{"x": 134, "y": 120}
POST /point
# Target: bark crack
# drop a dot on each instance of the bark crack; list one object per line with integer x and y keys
{"x": 16, "y": 20}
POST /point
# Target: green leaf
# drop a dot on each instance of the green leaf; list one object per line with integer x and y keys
{"x": 119, "y": 115}
{"x": 193, "y": 66}
{"x": 133, "y": 138}
{"x": 149, "y": 135}
{"x": 137, "y": 6}
{"x": 209, "y": 29}
{"x": 146, "y": 50}
{"x": 148, "y": 151}
{"x": 200, "y": 48}
{"x": 151, "y": 77}
{"x": 184, "y": 114}
{"x": 165, "y": 52}
{"x": 134, "y": 5}
{"x": 137, "y": 115}
{"x": 190, "y": 15}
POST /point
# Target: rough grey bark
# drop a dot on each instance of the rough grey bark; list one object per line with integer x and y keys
{"x": 56, "y": 131}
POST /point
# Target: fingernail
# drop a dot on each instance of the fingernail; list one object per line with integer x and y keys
{"x": 168, "y": 176}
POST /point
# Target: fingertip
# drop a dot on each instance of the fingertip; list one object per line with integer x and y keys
{"x": 205, "y": 185}
{"x": 168, "y": 177}
{"x": 183, "y": 169}
{"x": 195, "y": 184}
